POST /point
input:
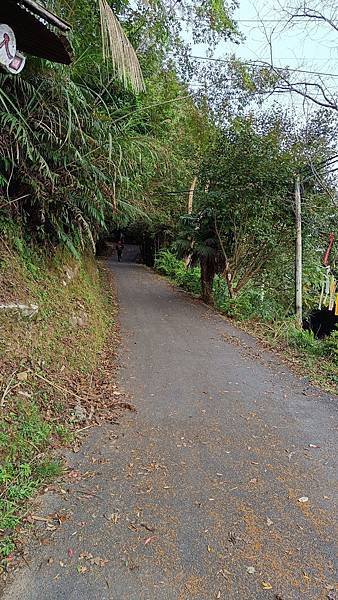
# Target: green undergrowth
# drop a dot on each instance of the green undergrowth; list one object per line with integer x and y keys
{"x": 261, "y": 314}
{"x": 40, "y": 356}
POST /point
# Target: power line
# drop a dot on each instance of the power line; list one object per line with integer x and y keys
{"x": 299, "y": 58}
{"x": 299, "y": 20}
{"x": 257, "y": 62}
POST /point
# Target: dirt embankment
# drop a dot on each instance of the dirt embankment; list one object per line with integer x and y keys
{"x": 57, "y": 346}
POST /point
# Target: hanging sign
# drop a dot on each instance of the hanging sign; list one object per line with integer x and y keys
{"x": 12, "y": 60}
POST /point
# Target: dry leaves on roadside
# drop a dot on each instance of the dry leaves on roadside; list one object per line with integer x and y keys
{"x": 149, "y": 540}
{"x": 93, "y": 560}
{"x": 98, "y": 561}
{"x": 22, "y": 376}
{"x": 82, "y": 569}
{"x": 85, "y": 556}
{"x": 114, "y": 518}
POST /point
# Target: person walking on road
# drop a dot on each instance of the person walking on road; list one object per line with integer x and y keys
{"x": 119, "y": 249}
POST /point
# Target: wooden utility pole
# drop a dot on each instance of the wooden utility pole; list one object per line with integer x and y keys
{"x": 299, "y": 258}
{"x": 187, "y": 259}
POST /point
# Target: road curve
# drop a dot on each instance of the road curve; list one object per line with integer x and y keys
{"x": 197, "y": 495}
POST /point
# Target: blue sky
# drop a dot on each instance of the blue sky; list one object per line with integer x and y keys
{"x": 315, "y": 46}
{"x": 309, "y": 47}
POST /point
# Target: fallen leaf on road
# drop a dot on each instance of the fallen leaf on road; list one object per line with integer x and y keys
{"x": 60, "y": 518}
{"x": 25, "y": 394}
{"x": 74, "y": 475}
{"x": 114, "y": 518}
{"x": 266, "y": 585}
{"x": 82, "y": 569}
{"x": 224, "y": 573}
{"x": 303, "y": 499}
{"x": 32, "y": 518}
{"x": 85, "y": 556}
{"x": 149, "y": 540}
{"x": 70, "y": 552}
{"x": 98, "y": 561}
{"x": 22, "y": 376}
{"x": 233, "y": 538}
{"x": 147, "y": 527}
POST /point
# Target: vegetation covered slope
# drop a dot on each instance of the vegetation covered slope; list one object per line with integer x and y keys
{"x": 53, "y": 367}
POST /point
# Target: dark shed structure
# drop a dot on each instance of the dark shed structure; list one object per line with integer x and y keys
{"x": 30, "y": 22}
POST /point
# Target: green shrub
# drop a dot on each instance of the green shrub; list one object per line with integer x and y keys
{"x": 304, "y": 340}
{"x": 251, "y": 303}
{"x": 330, "y": 346}
{"x": 167, "y": 264}
{"x": 187, "y": 278}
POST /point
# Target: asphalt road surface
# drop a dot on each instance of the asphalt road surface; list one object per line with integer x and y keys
{"x": 197, "y": 495}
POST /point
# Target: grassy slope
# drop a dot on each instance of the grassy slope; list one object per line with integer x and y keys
{"x": 46, "y": 364}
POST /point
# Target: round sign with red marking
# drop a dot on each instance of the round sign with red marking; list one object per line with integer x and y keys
{"x": 7, "y": 45}
{"x": 9, "y": 57}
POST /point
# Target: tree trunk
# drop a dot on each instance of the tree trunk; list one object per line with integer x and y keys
{"x": 191, "y": 195}
{"x": 208, "y": 271}
{"x": 227, "y": 271}
{"x": 228, "y": 278}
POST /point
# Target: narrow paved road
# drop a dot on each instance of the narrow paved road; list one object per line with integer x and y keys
{"x": 196, "y": 496}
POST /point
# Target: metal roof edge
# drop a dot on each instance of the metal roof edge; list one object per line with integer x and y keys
{"x": 45, "y": 14}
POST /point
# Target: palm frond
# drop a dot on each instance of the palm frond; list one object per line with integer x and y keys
{"x": 118, "y": 48}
